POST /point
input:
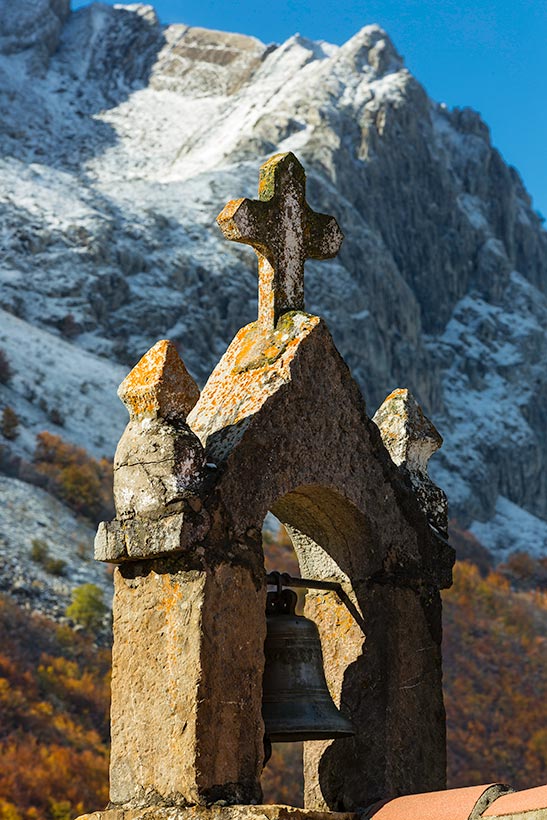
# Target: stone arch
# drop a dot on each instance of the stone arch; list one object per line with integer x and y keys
{"x": 288, "y": 432}
{"x": 328, "y": 532}
{"x": 370, "y": 644}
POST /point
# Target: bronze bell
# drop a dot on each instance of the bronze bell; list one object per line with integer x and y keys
{"x": 296, "y": 703}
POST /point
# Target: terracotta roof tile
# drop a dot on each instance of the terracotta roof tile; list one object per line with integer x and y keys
{"x": 452, "y": 804}
{"x": 518, "y": 802}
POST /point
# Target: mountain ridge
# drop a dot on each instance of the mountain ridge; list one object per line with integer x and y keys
{"x": 121, "y": 146}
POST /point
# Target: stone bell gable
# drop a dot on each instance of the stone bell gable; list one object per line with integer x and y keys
{"x": 286, "y": 425}
{"x": 280, "y": 426}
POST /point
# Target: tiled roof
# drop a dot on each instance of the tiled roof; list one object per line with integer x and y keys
{"x": 518, "y": 803}
{"x": 493, "y": 801}
{"x": 452, "y": 804}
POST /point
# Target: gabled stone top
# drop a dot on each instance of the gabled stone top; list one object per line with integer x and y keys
{"x": 257, "y": 363}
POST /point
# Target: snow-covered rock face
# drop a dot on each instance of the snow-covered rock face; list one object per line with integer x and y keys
{"x": 116, "y": 161}
{"x": 33, "y": 26}
{"x": 27, "y": 515}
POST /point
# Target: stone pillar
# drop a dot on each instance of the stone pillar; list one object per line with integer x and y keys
{"x": 390, "y": 682}
{"x": 189, "y": 623}
{"x": 186, "y": 725}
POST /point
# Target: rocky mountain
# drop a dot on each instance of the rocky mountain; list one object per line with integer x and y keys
{"x": 120, "y": 141}
{"x": 45, "y": 551}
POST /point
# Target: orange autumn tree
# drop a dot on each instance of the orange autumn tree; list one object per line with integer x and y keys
{"x": 82, "y": 482}
{"x": 54, "y": 730}
{"x": 495, "y": 679}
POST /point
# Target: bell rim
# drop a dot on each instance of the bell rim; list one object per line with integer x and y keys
{"x": 294, "y": 736}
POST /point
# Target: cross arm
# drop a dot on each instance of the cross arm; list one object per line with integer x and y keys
{"x": 246, "y": 220}
{"x": 323, "y": 236}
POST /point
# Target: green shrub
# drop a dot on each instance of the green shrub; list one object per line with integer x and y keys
{"x": 87, "y": 608}
{"x": 9, "y": 423}
{"x": 60, "y": 810}
{"x": 55, "y": 566}
{"x": 39, "y": 550}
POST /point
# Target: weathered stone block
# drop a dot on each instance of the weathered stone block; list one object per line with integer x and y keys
{"x": 157, "y": 466}
{"x": 109, "y": 542}
{"x": 267, "y": 812}
{"x": 185, "y": 714}
{"x": 135, "y": 539}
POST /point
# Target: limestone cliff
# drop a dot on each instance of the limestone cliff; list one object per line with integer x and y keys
{"x": 119, "y": 149}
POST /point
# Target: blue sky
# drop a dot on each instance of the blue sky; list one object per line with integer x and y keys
{"x": 487, "y": 54}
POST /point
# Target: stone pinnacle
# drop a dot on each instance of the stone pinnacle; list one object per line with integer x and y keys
{"x": 159, "y": 386}
{"x": 410, "y": 437}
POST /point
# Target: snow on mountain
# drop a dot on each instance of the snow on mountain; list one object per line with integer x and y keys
{"x": 509, "y": 529}
{"x": 120, "y": 142}
{"x": 60, "y": 387}
{"x": 29, "y": 515}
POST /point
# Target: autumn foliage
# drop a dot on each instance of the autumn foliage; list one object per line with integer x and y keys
{"x": 283, "y": 777}
{"x": 9, "y": 423}
{"x": 83, "y": 483}
{"x": 54, "y": 696}
{"x": 278, "y": 552}
{"x": 495, "y": 662}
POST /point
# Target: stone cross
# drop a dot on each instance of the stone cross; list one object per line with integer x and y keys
{"x": 284, "y": 231}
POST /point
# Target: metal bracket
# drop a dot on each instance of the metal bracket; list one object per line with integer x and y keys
{"x": 283, "y": 579}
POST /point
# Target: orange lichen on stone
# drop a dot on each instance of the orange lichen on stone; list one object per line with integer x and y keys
{"x": 159, "y": 386}
{"x": 398, "y": 393}
{"x": 253, "y": 368}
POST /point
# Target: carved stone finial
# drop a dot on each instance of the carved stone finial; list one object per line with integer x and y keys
{"x": 158, "y": 465}
{"x": 284, "y": 231}
{"x": 159, "y": 386}
{"x": 411, "y": 439}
